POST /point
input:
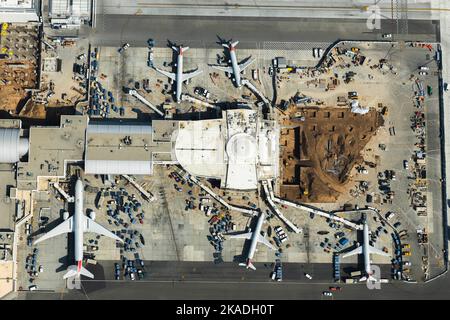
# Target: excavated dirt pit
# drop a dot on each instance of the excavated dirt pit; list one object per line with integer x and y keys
{"x": 319, "y": 152}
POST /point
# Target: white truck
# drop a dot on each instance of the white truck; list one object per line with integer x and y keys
{"x": 390, "y": 215}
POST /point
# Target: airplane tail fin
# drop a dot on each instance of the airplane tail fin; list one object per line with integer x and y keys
{"x": 86, "y": 273}
{"x": 248, "y": 265}
{"x": 234, "y": 44}
{"x": 372, "y": 278}
{"x": 180, "y": 50}
{"x": 225, "y": 45}
{"x": 72, "y": 271}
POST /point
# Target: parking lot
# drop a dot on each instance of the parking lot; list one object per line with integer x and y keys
{"x": 130, "y": 69}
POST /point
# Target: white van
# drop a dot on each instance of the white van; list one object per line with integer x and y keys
{"x": 390, "y": 215}
{"x": 255, "y": 74}
{"x": 320, "y": 52}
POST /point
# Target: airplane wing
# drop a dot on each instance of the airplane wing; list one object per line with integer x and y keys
{"x": 90, "y": 225}
{"x": 222, "y": 68}
{"x": 378, "y": 251}
{"x": 263, "y": 240}
{"x": 247, "y": 235}
{"x": 64, "y": 227}
{"x": 168, "y": 74}
{"x": 245, "y": 63}
{"x": 358, "y": 250}
{"x": 187, "y": 75}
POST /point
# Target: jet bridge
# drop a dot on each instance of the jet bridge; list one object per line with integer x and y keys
{"x": 269, "y": 196}
{"x": 135, "y": 94}
{"x": 145, "y": 194}
{"x": 252, "y": 88}
{"x": 310, "y": 209}
{"x": 189, "y": 98}
{"x": 216, "y": 196}
{"x": 63, "y": 193}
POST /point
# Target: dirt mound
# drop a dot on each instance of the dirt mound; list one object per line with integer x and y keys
{"x": 33, "y": 110}
{"x": 16, "y": 76}
{"x": 330, "y": 141}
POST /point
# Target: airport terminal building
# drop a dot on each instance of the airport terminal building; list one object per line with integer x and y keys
{"x": 239, "y": 149}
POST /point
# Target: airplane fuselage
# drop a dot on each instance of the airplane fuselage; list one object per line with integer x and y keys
{"x": 77, "y": 224}
{"x": 254, "y": 239}
{"x": 367, "y": 266}
{"x": 235, "y": 67}
{"x": 179, "y": 77}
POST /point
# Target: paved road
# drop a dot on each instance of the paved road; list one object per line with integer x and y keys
{"x": 136, "y": 21}
{"x": 417, "y": 9}
{"x": 247, "y": 290}
{"x": 135, "y": 29}
{"x": 229, "y": 271}
{"x": 445, "y": 45}
{"x": 204, "y": 280}
{"x": 114, "y": 30}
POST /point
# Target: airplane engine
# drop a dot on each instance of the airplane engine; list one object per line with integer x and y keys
{"x": 66, "y": 215}
{"x": 92, "y": 215}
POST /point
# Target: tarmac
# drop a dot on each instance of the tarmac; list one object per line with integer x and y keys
{"x": 217, "y": 281}
{"x": 194, "y": 285}
{"x": 255, "y": 290}
{"x": 417, "y": 9}
{"x": 114, "y": 30}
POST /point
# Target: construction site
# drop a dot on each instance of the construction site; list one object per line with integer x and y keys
{"x": 320, "y": 148}
{"x": 19, "y": 65}
{"x": 317, "y": 143}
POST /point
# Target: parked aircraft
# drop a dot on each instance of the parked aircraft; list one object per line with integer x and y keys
{"x": 235, "y": 68}
{"x": 366, "y": 249}
{"x": 78, "y": 224}
{"x": 179, "y": 77}
{"x": 255, "y": 237}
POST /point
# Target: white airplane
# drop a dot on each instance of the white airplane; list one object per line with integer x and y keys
{"x": 366, "y": 249}
{"x": 235, "y": 68}
{"x": 179, "y": 77}
{"x": 255, "y": 237}
{"x": 78, "y": 224}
